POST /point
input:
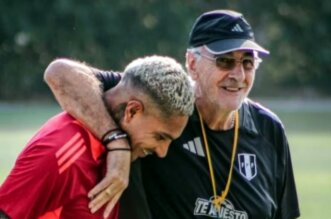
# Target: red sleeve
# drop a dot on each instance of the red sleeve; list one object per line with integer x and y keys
{"x": 35, "y": 185}
{"x": 29, "y": 188}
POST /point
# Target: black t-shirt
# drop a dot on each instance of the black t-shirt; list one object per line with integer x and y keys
{"x": 179, "y": 186}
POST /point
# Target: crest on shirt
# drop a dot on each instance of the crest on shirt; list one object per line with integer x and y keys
{"x": 247, "y": 165}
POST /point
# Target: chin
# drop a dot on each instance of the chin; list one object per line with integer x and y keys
{"x": 236, "y": 104}
{"x": 232, "y": 106}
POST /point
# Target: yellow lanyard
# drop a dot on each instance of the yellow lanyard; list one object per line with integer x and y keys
{"x": 217, "y": 201}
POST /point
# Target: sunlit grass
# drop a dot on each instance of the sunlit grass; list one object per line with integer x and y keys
{"x": 311, "y": 155}
{"x": 309, "y": 135}
{"x": 18, "y": 123}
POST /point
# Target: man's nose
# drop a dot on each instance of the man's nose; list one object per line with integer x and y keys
{"x": 238, "y": 72}
{"x": 162, "y": 150}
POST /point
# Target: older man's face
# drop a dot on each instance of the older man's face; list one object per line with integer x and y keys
{"x": 227, "y": 83}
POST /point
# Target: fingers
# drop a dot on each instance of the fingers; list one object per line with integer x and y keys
{"x": 118, "y": 167}
{"x": 111, "y": 205}
{"x": 110, "y": 194}
{"x": 99, "y": 187}
{"x": 114, "y": 183}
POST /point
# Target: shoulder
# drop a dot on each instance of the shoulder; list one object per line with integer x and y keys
{"x": 261, "y": 112}
{"x": 60, "y": 133}
{"x": 59, "y": 129}
{"x": 265, "y": 121}
{"x": 50, "y": 151}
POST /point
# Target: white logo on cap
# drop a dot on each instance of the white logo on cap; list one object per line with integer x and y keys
{"x": 237, "y": 28}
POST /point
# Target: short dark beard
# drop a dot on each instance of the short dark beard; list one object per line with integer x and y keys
{"x": 117, "y": 113}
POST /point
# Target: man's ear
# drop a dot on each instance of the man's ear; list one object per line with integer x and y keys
{"x": 132, "y": 109}
{"x": 191, "y": 64}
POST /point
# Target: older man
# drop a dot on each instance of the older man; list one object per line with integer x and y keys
{"x": 233, "y": 158}
{"x": 64, "y": 160}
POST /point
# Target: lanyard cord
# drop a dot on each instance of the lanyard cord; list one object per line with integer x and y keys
{"x": 217, "y": 201}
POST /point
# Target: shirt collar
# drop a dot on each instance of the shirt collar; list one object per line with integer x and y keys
{"x": 246, "y": 119}
{"x": 245, "y": 116}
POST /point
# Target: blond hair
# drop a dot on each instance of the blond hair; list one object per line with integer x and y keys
{"x": 165, "y": 81}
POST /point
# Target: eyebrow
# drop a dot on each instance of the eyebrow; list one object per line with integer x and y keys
{"x": 248, "y": 54}
{"x": 166, "y": 135}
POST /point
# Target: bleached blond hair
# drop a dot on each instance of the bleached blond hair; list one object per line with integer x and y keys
{"x": 165, "y": 81}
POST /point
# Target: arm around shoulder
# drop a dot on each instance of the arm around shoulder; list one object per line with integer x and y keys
{"x": 78, "y": 91}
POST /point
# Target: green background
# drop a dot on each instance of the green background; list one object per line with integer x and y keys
{"x": 307, "y": 123}
{"x": 108, "y": 34}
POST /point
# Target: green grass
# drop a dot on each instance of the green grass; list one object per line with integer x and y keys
{"x": 312, "y": 165}
{"x": 309, "y": 136}
{"x": 18, "y": 123}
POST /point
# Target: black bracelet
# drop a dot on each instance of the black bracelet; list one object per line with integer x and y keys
{"x": 110, "y": 131}
{"x": 113, "y": 137}
{"x": 118, "y": 149}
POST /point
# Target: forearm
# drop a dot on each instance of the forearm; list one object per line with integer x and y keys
{"x": 78, "y": 92}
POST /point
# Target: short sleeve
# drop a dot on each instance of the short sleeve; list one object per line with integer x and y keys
{"x": 289, "y": 204}
{"x": 30, "y": 185}
{"x": 109, "y": 79}
{"x": 38, "y": 183}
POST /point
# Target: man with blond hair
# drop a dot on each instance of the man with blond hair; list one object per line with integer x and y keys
{"x": 64, "y": 160}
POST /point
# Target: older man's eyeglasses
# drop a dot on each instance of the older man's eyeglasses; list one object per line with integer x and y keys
{"x": 225, "y": 62}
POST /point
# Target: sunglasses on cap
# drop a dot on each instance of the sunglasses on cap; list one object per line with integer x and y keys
{"x": 226, "y": 62}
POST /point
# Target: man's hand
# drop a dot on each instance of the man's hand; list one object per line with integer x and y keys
{"x": 115, "y": 181}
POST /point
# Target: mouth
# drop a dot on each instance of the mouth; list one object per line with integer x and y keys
{"x": 146, "y": 152}
{"x": 232, "y": 89}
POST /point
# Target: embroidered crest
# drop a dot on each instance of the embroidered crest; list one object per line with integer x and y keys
{"x": 247, "y": 165}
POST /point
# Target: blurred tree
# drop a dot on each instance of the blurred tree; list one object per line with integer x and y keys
{"x": 298, "y": 36}
{"x": 109, "y": 34}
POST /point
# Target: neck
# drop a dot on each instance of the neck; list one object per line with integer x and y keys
{"x": 216, "y": 118}
{"x": 115, "y": 99}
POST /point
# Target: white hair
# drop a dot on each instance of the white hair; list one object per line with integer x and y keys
{"x": 165, "y": 81}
